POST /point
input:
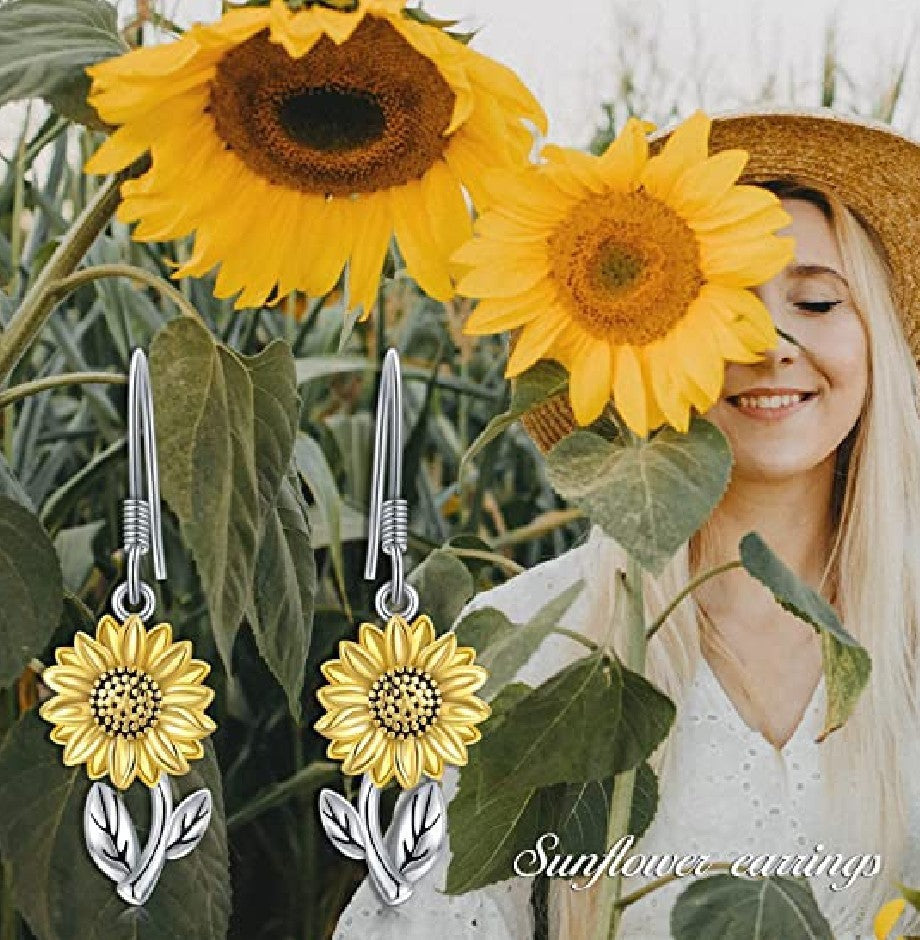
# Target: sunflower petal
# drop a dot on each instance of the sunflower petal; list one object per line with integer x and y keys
{"x": 687, "y": 146}
{"x": 589, "y": 383}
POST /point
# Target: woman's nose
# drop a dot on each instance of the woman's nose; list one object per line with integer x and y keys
{"x": 786, "y": 349}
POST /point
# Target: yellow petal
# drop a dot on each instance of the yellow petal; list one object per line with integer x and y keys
{"x": 447, "y": 211}
{"x": 59, "y": 710}
{"x": 439, "y": 655}
{"x": 373, "y": 640}
{"x": 746, "y": 264}
{"x": 171, "y": 664}
{"x": 461, "y": 683}
{"x": 108, "y": 633}
{"x": 366, "y": 751}
{"x": 98, "y": 764}
{"x": 401, "y": 648}
{"x": 423, "y": 632}
{"x": 737, "y": 205}
{"x": 467, "y": 711}
{"x": 124, "y": 762}
{"x": 887, "y": 917}
{"x": 589, "y": 383}
{"x": 668, "y": 395}
{"x": 408, "y": 763}
{"x": 498, "y": 314}
{"x": 341, "y": 696}
{"x": 68, "y": 679}
{"x": 535, "y": 340}
{"x": 624, "y": 160}
{"x": 687, "y": 146}
{"x": 165, "y": 752}
{"x": 159, "y": 639}
{"x": 629, "y": 390}
{"x": 424, "y": 261}
{"x": 703, "y": 185}
{"x": 363, "y": 662}
{"x": 133, "y": 641}
{"x": 182, "y": 695}
{"x": 448, "y": 744}
{"x": 148, "y": 771}
{"x": 383, "y": 768}
{"x": 432, "y": 762}
{"x": 82, "y": 743}
{"x": 370, "y": 249}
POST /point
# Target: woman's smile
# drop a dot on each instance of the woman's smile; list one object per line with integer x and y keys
{"x": 770, "y": 404}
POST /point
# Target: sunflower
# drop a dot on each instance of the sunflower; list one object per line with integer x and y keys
{"x": 400, "y": 703}
{"x": 129, "y": 703}
{"x": 292, "y": 142}
{"x": 886, "y": 918}
{"x": 632, "y": 272}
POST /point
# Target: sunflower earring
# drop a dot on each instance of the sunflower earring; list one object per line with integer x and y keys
{"x": 130, "y": 703}
{"x": 400, "y": 702}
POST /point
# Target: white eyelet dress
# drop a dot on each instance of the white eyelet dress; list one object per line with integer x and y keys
{"x": 725, "y": 791}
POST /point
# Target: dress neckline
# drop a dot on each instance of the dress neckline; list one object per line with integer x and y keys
{"x": 727, "y": 701}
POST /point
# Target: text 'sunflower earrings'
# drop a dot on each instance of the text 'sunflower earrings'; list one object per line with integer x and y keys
{"x": 400, "y": 702}
{"x": 130, "y": 703}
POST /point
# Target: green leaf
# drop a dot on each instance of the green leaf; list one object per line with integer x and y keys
{"x": 74, "y": 547}
{"x": 561, "y": 732}
{"x": 748, "y": 909}
{"x": 317, "y": 474}
{"x": 650, "y": 496}
{"x": 539, "y": 383}
{"x": 206, "y": 440}
{"x": 503, "y": 647}
{"x": 646, "y": 716}
{"x": 846, "y": 663}
{"x": 281, "y": 611}
{"x": 57, "y": 888}
{"x": 444, "y": 585}
{"x": 11, "y": 488}
{"x": 276, "y": 411}
{"x": 488, "y": 829}
{"x": 31, "y": 589}
{"x": 45, "y": 45}
{"x": 579, "y": 811}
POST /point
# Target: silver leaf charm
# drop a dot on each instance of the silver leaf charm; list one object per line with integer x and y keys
{"x": 342, "y": 824}
{"x": 418, "y": 830}
{"x": 109, "y": 832}
{"x": 188, "y": 824}
{"x": 111, "y": 837}
{"x": 412, "y": 844}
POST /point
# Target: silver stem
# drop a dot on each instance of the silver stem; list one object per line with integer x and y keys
{"x": 139, "y": 885}
{"x": 390, "y": 884}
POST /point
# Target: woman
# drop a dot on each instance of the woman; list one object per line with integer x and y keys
{"x": 825, "y": 437}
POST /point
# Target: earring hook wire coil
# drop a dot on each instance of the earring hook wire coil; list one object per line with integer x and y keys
{"x": 388, "y": 515}
{"x": 142, "y": 520}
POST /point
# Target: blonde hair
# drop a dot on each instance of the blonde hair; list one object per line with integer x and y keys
{"x": 877, "y": 596}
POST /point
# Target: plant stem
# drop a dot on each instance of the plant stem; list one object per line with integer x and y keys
{"x": 27, "y": 321}
{"x": 578, "y": 637}
{"x": 689, "y": 589}
{"x": 18, "y": 392}
{"x": 621, "y": 802}
{"x": 500, "y": 561}
{"x": 539, "y": 527}
{"x": 640, "y": 893}
{"x": 309, "y": 778}
{"x": 59, "y": 289}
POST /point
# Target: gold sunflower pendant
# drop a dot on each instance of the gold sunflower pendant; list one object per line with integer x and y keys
{"x": 400, "y": 703}
{"x": 293, "y": 141}
{"x": 130, "y": 702}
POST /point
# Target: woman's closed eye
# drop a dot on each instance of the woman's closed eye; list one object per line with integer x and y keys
{"x": 817, "y": 306}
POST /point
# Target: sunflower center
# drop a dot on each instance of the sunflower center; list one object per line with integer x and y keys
{"x": 404, "y": 702}
{"x": 627, "y": 267}
{"x": 359, "y": 117}
{"x": 125, "y": 702}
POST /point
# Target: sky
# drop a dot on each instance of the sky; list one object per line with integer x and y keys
{"x": 680, "y": 54}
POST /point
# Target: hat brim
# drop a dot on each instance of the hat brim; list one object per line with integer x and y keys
{"x": 872, "y": 169}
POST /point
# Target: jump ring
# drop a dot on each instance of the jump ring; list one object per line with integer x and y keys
{"x": 145, "y": 613}
{"x": 383, "y": 608}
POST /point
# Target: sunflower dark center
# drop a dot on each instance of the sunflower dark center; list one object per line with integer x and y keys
{"x": 125, "y": 702}
{"x": 626, "y": 265}
{"x": 333, "y": 119}
{"x": 358, "y": 117}
{"x": 404, "y": 702}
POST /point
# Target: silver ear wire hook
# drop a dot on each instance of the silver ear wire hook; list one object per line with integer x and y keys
{"x": 388, "y": 518}
{"x": 142, "y": 518}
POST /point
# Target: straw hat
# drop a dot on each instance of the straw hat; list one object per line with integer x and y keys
{"x": 873, "y": 170}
